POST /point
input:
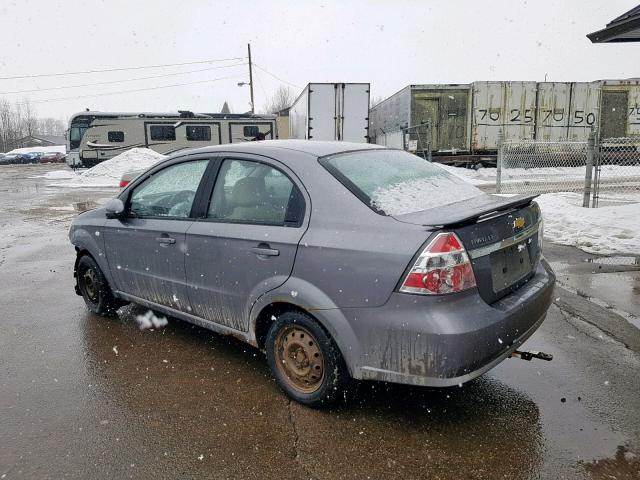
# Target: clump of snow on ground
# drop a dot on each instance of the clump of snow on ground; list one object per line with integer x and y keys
{"x": 150, "y": 320}
{"x": 51, "y": 148}
{"x": 606, "y": 230}
{"x": 109, "y": 172}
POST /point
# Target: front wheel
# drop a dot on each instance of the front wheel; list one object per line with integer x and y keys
{"x": 94, "y": 288}
{"x": 305, "y": 360}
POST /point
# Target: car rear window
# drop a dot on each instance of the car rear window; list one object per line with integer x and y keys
{"x": 394, "y": 182}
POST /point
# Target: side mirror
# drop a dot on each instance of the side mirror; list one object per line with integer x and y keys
{"x": 114, "y": 208}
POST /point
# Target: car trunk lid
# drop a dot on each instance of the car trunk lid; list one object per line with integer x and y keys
{"x": 500, "y": 235}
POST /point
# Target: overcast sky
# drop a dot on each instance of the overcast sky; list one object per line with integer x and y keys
{"x": 389, "y": 44}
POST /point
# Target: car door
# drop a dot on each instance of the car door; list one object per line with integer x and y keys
{"x": 247, "y": 243}
{"x": 146, "y": 249}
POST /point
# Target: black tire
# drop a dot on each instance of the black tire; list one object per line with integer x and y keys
{"x": 94, "y": 288}
{"x": 295, "y": 338}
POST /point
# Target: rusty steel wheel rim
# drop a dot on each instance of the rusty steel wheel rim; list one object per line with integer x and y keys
{"x": 90, "y": 284}
{"x": 299, "y": 359}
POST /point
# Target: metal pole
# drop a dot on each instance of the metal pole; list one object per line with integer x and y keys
{"x": 429, "y": 136}
{"x": 250, "y": 78}
{"x": 589, "y": 169}
{"x": 499, "y": 162}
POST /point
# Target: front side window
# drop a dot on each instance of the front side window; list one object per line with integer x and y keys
{"x": 162, "y": 132}
{"x": 169, "y": 192}
{"x": 252, "y": 192}
{"x": 115, "y": 137}
{"x": 199, "y": 133}
{"x": 394, "y": 182}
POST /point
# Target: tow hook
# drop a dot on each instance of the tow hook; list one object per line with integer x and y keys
{"x": 529, "y": 355}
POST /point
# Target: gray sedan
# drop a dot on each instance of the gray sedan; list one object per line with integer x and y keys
{"x": 342, "y": 261}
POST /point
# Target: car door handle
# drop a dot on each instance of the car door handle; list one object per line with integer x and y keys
{"x": 166, "y": 240}
{"x": 266, "y": 250}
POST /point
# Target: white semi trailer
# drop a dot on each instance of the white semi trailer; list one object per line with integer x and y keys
{"x": 331, "y": 111}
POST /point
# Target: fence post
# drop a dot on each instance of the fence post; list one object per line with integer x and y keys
{"x": 429, "y": 133}
{"x": 499, "y": 162}
{"x": 588, "y": 174}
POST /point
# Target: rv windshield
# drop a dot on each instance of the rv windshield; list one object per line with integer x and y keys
{"x": 76, "y": 133}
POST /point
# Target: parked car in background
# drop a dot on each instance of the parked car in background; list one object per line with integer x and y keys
{"x": 128, "y": 177}
{"x": 14, "y": 158}
{"x": 52, "y": 157}
{"x": 401, "y": 272}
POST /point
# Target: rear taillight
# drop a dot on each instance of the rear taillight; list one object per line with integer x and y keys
{"x": 442, "y": 267}
{"x": 124, "y": 183}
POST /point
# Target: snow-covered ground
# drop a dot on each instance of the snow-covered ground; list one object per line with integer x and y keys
{"x": 51, "y": 148}
{"x": 607, "y": 230}
{"x": 109, "y": 172}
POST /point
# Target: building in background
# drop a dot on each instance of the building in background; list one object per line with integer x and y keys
{"x": 625, "y": 28}
{"x": 40, "y": 141}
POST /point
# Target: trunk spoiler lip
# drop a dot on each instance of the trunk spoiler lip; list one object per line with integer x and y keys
{"x": 465, "y": 211}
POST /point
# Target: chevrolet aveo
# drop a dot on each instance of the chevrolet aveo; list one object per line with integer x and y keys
{"x": 339, "y": 260}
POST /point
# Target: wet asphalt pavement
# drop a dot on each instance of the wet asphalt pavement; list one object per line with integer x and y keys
{"x": 83, "y": 396}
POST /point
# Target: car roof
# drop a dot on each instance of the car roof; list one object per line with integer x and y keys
{"x": 311, "y": 147}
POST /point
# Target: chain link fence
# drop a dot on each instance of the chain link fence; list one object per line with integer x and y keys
{"x": 604, "y": 174}
{"x": 617, "y": 171}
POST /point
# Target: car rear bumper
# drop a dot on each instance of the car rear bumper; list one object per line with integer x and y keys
{"x": 447, "y": 340}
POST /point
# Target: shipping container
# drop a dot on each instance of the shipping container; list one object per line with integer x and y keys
{"x": 331, "y": 111}
{"x": 506, "y": 106}
{"x": 466, "y": 119}
{"x": 444, "y": 107}
{"x": 620, "y": 104}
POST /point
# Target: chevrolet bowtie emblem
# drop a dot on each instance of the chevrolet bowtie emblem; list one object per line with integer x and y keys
{"x": 518, "y": 222}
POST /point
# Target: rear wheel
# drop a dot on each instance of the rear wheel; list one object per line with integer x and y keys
{"x": 305, "y": 360}
{"x": 94, "y": 287}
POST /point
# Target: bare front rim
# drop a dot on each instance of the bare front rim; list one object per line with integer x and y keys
{"x": 90, "y": 284}
{"x": 299, "y": 359}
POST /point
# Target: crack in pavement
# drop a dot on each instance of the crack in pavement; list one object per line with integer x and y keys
{"x": 296, "y": 439}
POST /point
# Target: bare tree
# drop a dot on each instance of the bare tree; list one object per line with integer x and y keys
{"x": 19, "y": 120}
{"x": 373, "y": 101}
{"x": 280, "y": 100}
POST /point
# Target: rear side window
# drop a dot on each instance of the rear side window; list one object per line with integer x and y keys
{"x": 162, "y": 132}
{"x": 115, "y": 137}
{"x": 393, "y": 182}
{"x": 198, "y": 133}
{"x": 255, "y": 193}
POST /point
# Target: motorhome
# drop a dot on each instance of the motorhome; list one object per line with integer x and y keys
{"x": 97, "y": 136}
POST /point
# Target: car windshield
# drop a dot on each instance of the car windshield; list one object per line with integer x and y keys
{"x": 394, "y": 182}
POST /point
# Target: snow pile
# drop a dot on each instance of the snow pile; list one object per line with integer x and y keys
{"x": 109, "y": 172}
{"x": 606, "y": 230}
{"x": 421, "y": 194}
{"x": 150, "y": 320}
{"x": 50, "y": 148}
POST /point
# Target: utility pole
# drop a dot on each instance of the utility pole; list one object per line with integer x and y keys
{"x": 250, "y": 78}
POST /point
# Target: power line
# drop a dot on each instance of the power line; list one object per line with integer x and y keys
{"x": 120, "y": 69}
{"x": 122, "y": 81}
{"x": 133, "y": 91}
{"x": 277, "y": 78}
